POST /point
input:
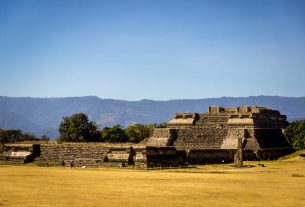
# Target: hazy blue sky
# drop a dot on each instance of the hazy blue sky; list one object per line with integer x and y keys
{"x": 152, "y": 49}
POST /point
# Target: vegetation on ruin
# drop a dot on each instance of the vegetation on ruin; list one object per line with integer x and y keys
{"x": 161, "y": 125}
{"x": 279, "y": 183}
{"x": 295, "y": 134}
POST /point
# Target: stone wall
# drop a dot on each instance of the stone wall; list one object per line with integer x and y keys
{"x": 139, "y": 156}
{"x": 270, "y": 138}
{"x": 231, "y": 140}
{"x": 100, "y": 155}
{"x": 183, "y": 120}
{"x": 84, "y": 154}
{"x": 161, "y": 132}
{"x": 209, "y": 156}
{"x": 213, "y": 120}
{"x": 120, "y": 155}
{"x": 165, "y": 157}
{"x": 162, "y": 137}
{"x": 200, "y": 138}
{"x": 19, "y": 153}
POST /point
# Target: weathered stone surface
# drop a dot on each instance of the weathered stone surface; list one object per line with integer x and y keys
{"x": 165, "y": 157}
{"x": 89, "y": 155}
{"x": 184, "y": 119}
{"x": 239, "y": 155}
{"x": 210, "y": 156}
{"x": 199, "y": 138}
{"x": 162, "y": 137}
{"x": 20, "y": 153}
{"x": 214, "y": 135}
{"x": 122, "y": 154}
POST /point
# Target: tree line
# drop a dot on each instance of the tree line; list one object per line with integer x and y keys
{"x": 78, "y": 128}
{"x": 17, "y": 135}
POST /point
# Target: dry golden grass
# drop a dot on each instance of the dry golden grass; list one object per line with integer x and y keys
{"x": 212, "y": 185}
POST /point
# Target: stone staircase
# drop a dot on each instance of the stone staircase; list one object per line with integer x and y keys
{"x": 162, "y": 137}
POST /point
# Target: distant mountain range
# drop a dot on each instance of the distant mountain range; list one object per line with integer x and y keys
{"x": 43, "y": 115}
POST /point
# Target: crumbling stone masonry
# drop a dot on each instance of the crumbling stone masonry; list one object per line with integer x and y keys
{"x": 20, "y": 153}
{"x": 83, "y": 154}
{"x": 189, "y": 139}
{"x": 213, "y": 137}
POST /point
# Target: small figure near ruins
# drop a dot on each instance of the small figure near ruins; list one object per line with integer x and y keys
{"x": 72, "y": 164}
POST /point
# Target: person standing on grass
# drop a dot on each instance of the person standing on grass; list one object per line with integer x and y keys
{"x": 72, "y": 163}
{"x": 63, "y": 163}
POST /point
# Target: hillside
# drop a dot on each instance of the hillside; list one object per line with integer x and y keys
{"x": 43, "y": 115}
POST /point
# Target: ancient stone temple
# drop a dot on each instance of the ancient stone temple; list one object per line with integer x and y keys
{"x": 221, "y": 135}
{"x": 213, "y": 136}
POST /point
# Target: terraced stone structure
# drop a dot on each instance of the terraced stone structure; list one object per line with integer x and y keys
{"x": 20, "y": 153}
{"x": 213, "y": 136}
{"x": 189, "y": 139}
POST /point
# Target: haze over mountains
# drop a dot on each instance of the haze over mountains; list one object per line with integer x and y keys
{"x": 43, "y": 115}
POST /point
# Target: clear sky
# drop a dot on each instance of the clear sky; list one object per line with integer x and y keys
{"x": 150, "y": 49}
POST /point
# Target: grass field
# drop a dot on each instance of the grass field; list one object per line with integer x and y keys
{"x": 280, "y": 183}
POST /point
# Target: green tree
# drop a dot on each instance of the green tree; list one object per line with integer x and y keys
{"x": 137, "y": 132}
{"x": 160, "y": 125}
{"x": 114, "y": 134}
{"x": 295, "y": 134}
{"x": 26, "y": 136}
{"x": 77, "y": 128}
{"x": 15, "y": 135}
{"x": 45, "y": 138}
{"x": 10, "y": 135}
{"x": 4, "y": 138}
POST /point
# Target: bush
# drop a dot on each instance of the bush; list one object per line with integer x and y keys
{"x": 137, "y": 132}
{"x": 295, "y": 134}
{"x": 114, "y": 134}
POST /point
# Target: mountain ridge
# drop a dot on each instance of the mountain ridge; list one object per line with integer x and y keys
{"x": 43, "y": 115}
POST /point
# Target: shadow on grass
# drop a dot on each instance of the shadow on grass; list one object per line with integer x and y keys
{"x": 297, "y": 175}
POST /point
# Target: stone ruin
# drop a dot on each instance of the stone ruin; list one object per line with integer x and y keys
{"x": 221, "y": 135}
{"x": 213, "y": 137}
{"x": 20, "y": 154}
